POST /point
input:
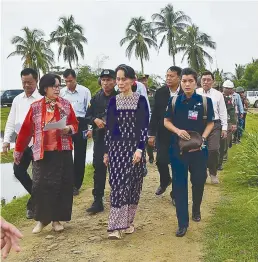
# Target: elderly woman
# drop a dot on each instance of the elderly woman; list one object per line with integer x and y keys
{"x": 127, "y": 125}
{"x": 52, "y": 182}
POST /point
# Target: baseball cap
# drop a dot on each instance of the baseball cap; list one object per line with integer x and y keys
{"x": 108, "y": 73}
{"x": 228, "y": 84}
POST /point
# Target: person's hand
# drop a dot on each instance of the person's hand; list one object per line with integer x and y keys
{"x": 234, "y": 128}
{"x": 65, "y": 130}
{"x": 6, "y": 147}
{"x": 105, "y": 159}
{"x": 89, "y": 134}
{"x": 183, "y": 134}
{"x": 151, "y": 141}
{"x": 16, "y": 158}
{"x": 224, "y": 134}
{"x": 100, "y": 123}
{"x": 10, "y": 236}
{"x": 137, "y": 157}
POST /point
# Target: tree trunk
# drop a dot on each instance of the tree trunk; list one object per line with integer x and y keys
{"x": 174, "y": 60}
{"x": 70, "y": 64}
{"x": 142, "y": 65}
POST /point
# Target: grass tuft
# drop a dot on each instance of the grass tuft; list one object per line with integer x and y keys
{"x": 232, "y": 234}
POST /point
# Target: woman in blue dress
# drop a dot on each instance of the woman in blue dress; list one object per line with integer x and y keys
{"x": 126, "y": 134}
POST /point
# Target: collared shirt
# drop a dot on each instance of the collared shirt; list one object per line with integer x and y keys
{"x": 19, "y": 110}
{"x": 79, "y": 99}
{"x": 174, "y": 93}
{"x": 238, "y": 102}
{"x": 219, "y": 106}
{"x": 188, "y": 113}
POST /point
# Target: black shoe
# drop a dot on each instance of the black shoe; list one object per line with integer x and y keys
{"x": 220, "y": 168}
{"x": 161, "y": 189}
{"x": 181, "y": 231}
{"x": 151, "y": 160}
{"x": 29, "y": 214}
{"x": 75, "y": 191}
{"x": 196, "y": 217}
{"x": 96, "y": 207}
{"x": 173, "y": 201}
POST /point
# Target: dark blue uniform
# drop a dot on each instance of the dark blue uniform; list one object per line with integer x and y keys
{"x": 188, "y": 115}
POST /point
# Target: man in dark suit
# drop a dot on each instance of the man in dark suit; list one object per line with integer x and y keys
{"x": 158, "y": 133}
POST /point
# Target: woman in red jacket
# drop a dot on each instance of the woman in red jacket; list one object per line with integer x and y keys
{"x": 52, "y": 186}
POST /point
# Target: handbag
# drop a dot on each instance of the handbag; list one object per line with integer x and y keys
{"x": 196, "y": 139}
{"x": 194, "y": 143}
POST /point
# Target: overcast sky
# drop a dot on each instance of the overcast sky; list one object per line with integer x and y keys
{"x": 232, "y": 25}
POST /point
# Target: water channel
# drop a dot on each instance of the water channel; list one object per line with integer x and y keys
{"x": 11, "y": 187}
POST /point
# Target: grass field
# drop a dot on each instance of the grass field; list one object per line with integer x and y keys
{"x": 233, "y": 231}
{"x": 5, "y": 158}
{"x": 4, "y": 114}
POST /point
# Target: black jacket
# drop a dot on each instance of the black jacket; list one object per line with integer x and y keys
{"x": 156, "y": 126}
{"x": 98, "y": 109}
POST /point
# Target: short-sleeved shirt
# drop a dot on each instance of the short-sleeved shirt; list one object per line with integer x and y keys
{"x": 188, "y": 113}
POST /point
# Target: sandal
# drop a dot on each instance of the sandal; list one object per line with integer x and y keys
{"x": 129, "y": 230}
{"x": 117, "y": 234}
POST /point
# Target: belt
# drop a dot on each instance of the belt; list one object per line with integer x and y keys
{"x": 217, "y": 121}
{"x": 81, "y": 118}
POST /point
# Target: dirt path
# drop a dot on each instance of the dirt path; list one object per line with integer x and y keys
{"x": 85, "y": 237}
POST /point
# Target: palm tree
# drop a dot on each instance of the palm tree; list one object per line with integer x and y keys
{"x": 239, "y": 72}
{"x": 171, "y": 24}
{"x": 141, "y": 37}
{"x": 35, "y": 51}
{"x": 192, "y": 42}
{"x": 69, "y": 37}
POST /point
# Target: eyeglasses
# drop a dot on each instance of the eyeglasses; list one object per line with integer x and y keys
{"x": 56, "y": 87}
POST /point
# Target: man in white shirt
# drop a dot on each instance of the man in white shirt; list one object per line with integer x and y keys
{"x": 20, "y": 107}
{"x": 219, "y": 130}
{"x": 79, "y": 96}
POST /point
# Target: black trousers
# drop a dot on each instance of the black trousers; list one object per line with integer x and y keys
{"x": 162, "y": 162}
{"x": 80, "y": 145}
{"x": 100, "y": 170}
{"x": 196, "y": 163}
{"x": 213, "y": 148}
{"x": 20, "y": 172}
{"x": 150, "y": 150}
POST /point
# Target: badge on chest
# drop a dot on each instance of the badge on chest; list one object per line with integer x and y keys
{"x": 193, "y": 115}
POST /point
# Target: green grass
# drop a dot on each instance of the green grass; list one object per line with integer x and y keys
{"x": 232, "y": 234}
{"x": 4, "y": 114}
{"x": 6, "y": 158}
{"x": 14, "y": 211}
